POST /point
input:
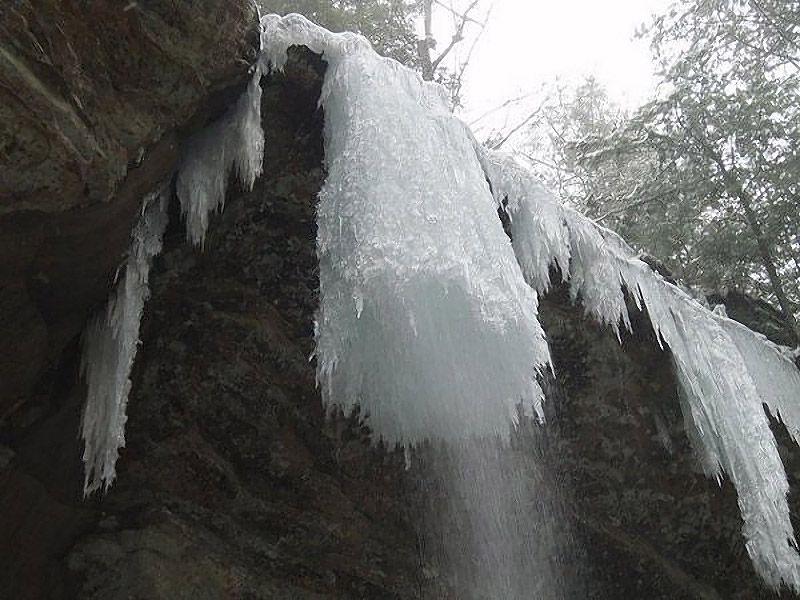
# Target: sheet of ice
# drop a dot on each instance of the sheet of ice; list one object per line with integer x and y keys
{"x": 425, "y": 319}
{"x": 235, "y": 141}
{"x": 110, "y": 343}
{"x": 774, "y": 373}
{"x": 725, "y": 370}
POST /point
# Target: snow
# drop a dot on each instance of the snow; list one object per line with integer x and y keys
{"x": 725, "y": 370}
{"x": 234, "y": 142}
{"x": 110, "y": 343}
{"x": 425, "y": 319}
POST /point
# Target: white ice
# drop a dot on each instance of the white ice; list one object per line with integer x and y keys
{"x": 110, "y": 343}
{"x": 235, "y": 141}
{"x": 725, "y": 370}
{"x": 425, "y": 319}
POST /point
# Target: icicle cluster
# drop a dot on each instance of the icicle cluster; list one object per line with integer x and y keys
{"x": 236, "y": 141}
{"x": 726, "y": 371}
{"x": 428, "y": 314}
{"x": 425, "y": 319}
{"x": 110, "y": 344}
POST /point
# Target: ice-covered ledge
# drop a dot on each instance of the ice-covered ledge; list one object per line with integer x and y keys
{"x": 426, "y": 319}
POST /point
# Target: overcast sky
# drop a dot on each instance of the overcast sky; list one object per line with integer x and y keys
{"x": 529, "y": 43}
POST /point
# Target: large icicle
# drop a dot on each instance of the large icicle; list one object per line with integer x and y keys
{"x": 235, "y": 141}
{"x": 425, "y": 319}
{"x": 530, "y": 207}
{"x": 110, "y": 344}
{"x": 726, "y": 371}
{"x": 776, "y": 374}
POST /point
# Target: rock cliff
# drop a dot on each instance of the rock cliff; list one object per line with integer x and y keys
{"x": 233, "y": 484}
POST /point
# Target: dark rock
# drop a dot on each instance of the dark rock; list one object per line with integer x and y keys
{"x": 658, "y": 266}
{"x": 94, "y": 100}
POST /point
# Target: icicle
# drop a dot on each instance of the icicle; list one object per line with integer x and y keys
{"x": 774, "y": 373}
{"x": 530, "y": 207}
{"x": 725, "y": 370}
{"x": 443, "y": 341}
{"x": 110, "y": 344}
{"x": 235, "y": 141}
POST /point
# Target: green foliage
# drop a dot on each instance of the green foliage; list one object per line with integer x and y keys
{"x": 387, "y": 24}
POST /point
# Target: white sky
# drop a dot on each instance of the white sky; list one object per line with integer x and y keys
{"x": 531, "y": 43}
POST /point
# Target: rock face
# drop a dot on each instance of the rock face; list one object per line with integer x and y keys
{"x": 233, "y": 484}
{"x": 652, "y": 525}
{"x": 88, "y": 89}
{"x": 95, "y": 98}
{"x": 248, "y": 492}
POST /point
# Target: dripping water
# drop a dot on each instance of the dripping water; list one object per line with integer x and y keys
{"x": 497, "y": 522}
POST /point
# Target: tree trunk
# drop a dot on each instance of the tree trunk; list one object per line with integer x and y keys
{"x": 736, "y": 189}
{"x": 424, "y": 45}
{"x": 764, "y": 250}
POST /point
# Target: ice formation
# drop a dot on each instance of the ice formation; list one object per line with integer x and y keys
{"x": 110, "y": 344}
{"x": 726, "y": 371}
{"x": 428, "y": 313}
{"x": 778, "y": 377}
{"x": 425, "y": 320}
{"x": 236, "y": 141}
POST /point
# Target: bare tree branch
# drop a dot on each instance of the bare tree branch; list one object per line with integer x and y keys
{"x": 460, "y": 15}
{"x": 459, "y": 81}
{"x": 516, "y": 128}
{"x": 499, "y": 107}
{"x": 458, "y": 36}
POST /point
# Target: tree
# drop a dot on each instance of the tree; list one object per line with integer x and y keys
{"x": 572, "y": 143}
{"x": 705, "y": 175}
{"x": 390, "y": 26}
{"x": 732, "y": 115}
{"x": 432, "y": 66}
